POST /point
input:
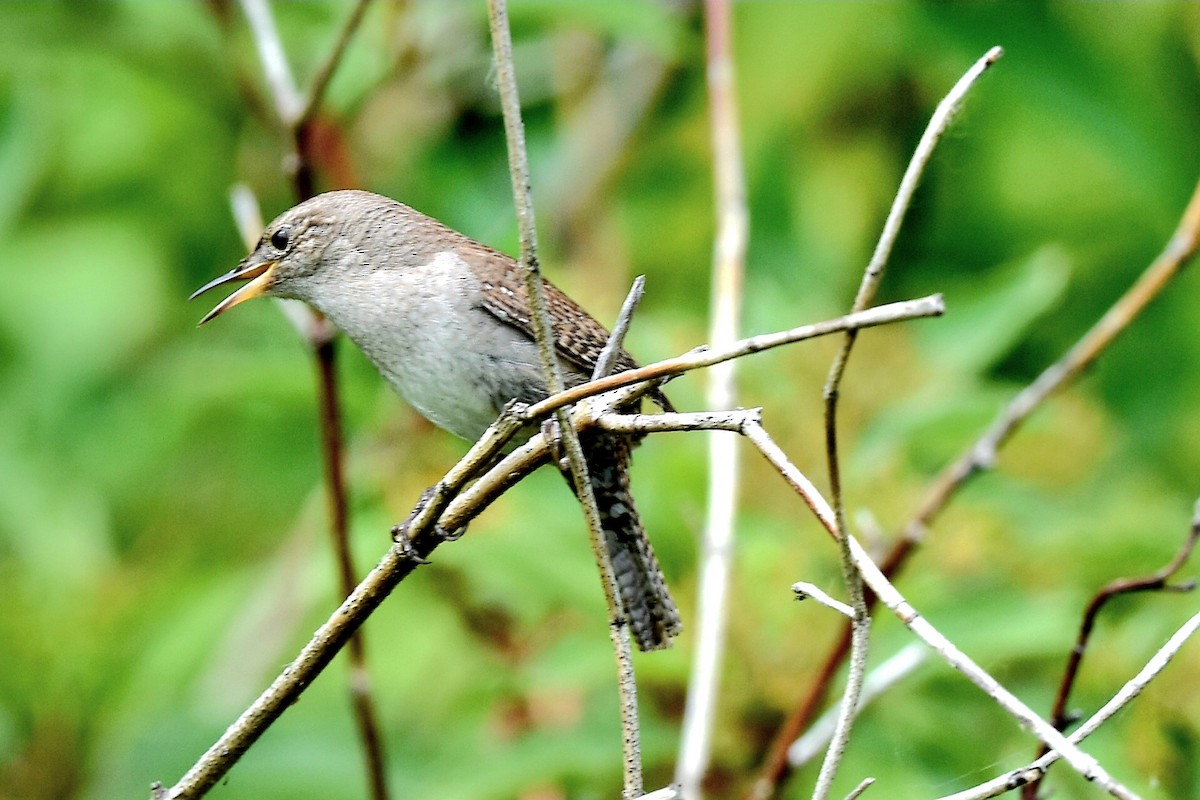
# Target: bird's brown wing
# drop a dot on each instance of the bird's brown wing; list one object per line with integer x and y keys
{"x": 578, "y": 337}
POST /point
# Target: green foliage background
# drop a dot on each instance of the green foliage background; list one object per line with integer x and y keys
{"x": 161, "y": 519}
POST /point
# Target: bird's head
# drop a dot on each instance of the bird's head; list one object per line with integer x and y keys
{"x": 291, "y": 254}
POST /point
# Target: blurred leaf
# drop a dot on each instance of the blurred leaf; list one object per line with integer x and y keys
{"x": 988, "y": 316}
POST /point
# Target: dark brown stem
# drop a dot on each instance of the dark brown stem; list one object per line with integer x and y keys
{"x": 324, "y": 73}
{"x": 307, "y": 137}
{"x": 324, "y": 353}
{"x": 1154, "y": 582}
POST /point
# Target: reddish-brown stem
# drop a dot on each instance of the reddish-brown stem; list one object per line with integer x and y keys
{"x": 324, "y": 354}
{"x": 313, "y": 143}
{"x": 1154, "y": 582}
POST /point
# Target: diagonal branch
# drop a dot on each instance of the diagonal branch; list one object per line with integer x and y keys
{"x": 705, "y": 356}
{"x": 1084, "y": 764}
{"x": 324, "y": 73}
{"x": 1020, "y": 777}
{"x": 981, "y": 455}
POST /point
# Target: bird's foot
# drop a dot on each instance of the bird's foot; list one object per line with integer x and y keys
{"x": 400, "y": 532}
{"x": 554, "y": 441}
{"x": 407, "y": 549}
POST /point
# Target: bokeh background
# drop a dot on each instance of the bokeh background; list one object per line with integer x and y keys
{"x": 162, "y": 545}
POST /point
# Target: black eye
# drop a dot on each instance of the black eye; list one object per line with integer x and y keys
{"x": 280, "y": 239}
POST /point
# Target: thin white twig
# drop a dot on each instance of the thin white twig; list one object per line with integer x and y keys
{"x": 716, "y": 545}
{"x": 288, "y": 103}
{"x": 862, "y": 787}
{"x": 666, "y": 793}
{"x": 939, "y": 123}
{"x": 878, "y": 681}
{"x": 1019, "y": 777}
{"x": 1084, "y": 764}
{"x": 809, "y": 591}
{"x": 735, "y": 421}
{"x": 247, "y": 214}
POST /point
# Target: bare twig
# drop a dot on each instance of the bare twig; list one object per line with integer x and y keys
{"x": 315, "y": 656}
{"x": 734, "y": 421}
{"x": 716, "y": 545}
{"x": 1020, "y": 777}
{"x": 862, "y": 787}
{"x": 861, "y": 621}
{"x": 809, "y": 591}
{"x": 929, "y": 306}
{"x": 519, "y": 167}
{"x": 608, "y": 354}
{"x": 1156, "y": 581}
{"x": 1083, "y": 763}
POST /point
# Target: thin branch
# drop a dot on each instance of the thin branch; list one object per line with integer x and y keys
{"x": 294, "y": 114}
{"x": 716, "y": 545}
{"x": 1083, "y": 763}
{"x": 1019, "y": 777}
{"x": 862, "y": 787}
{"x": 358, "y": 676}
{"x": 982, "y": 454}
{"x": 735, "y": 421}
{"x": 809, "y": 591}
{"x": 312, "y": 660}
{"x": 929, "y": 306}
{"x": 324, "y": 73}
{"x": 1156, "y": 581}
{"x": 544, "y": 334}
{"x": 861, "y": 622}
{"x": 608, "y": 354}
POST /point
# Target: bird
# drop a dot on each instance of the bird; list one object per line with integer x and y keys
{"x": 446, "y": 321}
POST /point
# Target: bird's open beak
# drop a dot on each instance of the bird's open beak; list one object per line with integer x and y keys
{"x": 261, "y": 275}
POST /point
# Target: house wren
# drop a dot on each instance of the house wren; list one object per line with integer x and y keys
{"x": 446, "y": 321}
